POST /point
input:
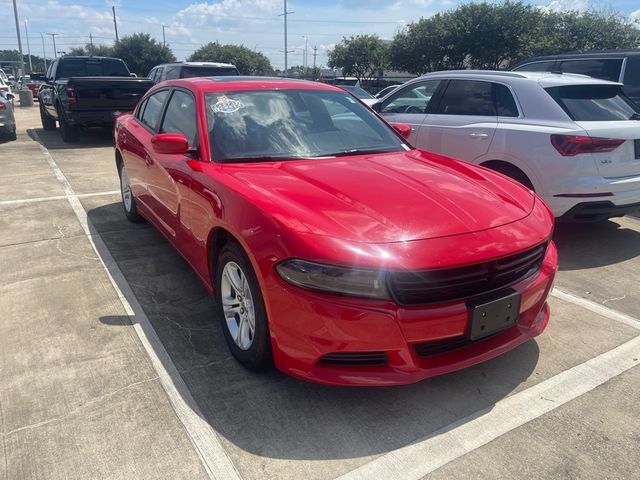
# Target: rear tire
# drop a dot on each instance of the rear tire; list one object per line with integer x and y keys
{"x": 512, "y": 172}
{"x": 68, "y": 133}
{"x": 241, "y": 309}
{"x": 48, "y": 123}
{"x": 128, "y": 201}
{"x": 13, "y": 135}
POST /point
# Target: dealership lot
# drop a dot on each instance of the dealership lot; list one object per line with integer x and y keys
{"x": 113, "y": 366}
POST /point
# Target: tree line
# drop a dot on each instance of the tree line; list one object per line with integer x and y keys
{"x": 482, "y": 36}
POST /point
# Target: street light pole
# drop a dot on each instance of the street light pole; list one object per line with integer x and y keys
{"x": 55, "y": 50}
{"x": 164, "y": 38}
{"x": 15, "y": 14}
{"x": 44, "y": 52}
{"x": 26, "y": 34}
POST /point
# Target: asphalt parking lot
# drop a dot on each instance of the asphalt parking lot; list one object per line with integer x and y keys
{"x": 112, "y": 364}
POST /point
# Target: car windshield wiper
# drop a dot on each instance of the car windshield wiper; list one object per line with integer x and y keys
{"x": 635, "y": 116}
{"x": 356, "y": 151}
{"x": 260, "y": 158}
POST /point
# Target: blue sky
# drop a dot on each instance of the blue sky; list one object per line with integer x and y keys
{"x": 253, "y": 23}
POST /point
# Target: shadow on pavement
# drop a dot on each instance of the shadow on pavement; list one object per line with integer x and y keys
{"x": 91, "y": 138}
{"x": 270, "y": 414}
{"x": 590, "y": 245}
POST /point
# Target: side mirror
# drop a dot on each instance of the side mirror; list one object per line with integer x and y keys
{"x": 403, "y": 129}
{"x": 10, "y": 96}
{"x": 376, "y": 107}
{"x": 170, "y": 143}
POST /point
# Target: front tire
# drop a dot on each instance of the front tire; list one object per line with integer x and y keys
{"x": 48, "y": 123}
{"x": 128, "y": 201}
{"x": 241, "y": 309}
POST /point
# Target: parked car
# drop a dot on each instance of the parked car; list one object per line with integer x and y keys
{"x": 572, "y": 139}
{"x": 32, "y": 82}
{"x": 385, "y": 91}
{"x": 333, "y": 248}
{"x": 172, "y": 71}
{"x": 87, "y": 92}
{"x": 615, "y": 65}
{"x": 7, "y": 118}
{"x": 360, "y": 93}
{"x": 4, "y": 86}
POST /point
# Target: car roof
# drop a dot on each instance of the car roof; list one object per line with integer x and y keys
{"x": 546, "y": 79}
{"x": 585, "y": 55}
{"x": 228, "y": 83}
{"x": 199, "y": 64}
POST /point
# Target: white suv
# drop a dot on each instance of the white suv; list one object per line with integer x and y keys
{"x": 573, "y": 139}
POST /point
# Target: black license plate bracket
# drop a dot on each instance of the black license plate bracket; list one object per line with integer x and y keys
{"x": 493, "y": 316}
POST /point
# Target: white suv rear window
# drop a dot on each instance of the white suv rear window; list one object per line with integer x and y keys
{"x": 594, "y": 103}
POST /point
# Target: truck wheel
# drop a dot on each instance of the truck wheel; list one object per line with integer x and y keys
{"x": 48, "y": 123}
{"x": 13, "y": 135}
{"x": 68, "y": 133}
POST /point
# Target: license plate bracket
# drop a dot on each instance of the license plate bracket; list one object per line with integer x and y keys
{"x": 636, "y": 144}
{"x": 489, "y": 317}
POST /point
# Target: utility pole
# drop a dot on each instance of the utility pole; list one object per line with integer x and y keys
{"x": 26, "y": 34}
{"x": 286, "y": 52}
{"x": 15, "y": 13}
{"x": 55, "y": 51}
{"x": 115, "y": 23}
{"x": 164, "y": 38}
{"x": 91, "y": 41}
{"x": 315, "y": 54}
{"x": 44, "y": 52}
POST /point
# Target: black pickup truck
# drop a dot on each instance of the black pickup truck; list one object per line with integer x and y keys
{"x": 87, "y": 92}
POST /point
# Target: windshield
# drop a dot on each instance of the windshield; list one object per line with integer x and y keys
{"x": 357, "y": 91}
{"x": 594, "y": 102}
{"x": 288, "y": 124}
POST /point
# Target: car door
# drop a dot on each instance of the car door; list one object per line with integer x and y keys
{"x": 142, "y": 155}
{"x": 169, "y": 175}
{"x": 462, "y": 123}
{"x": 46, "y": 91}
{"x": 409, "y": 105}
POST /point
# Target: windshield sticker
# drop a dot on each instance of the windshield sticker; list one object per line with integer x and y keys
{"x": 227, "y": 105}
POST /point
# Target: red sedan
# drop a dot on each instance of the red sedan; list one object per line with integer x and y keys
{"x": 333, "y": 248}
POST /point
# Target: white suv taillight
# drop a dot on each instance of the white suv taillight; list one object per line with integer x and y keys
{"x": 572, "y": 145}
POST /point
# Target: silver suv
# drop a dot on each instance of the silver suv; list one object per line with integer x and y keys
{"x": 173, "y": 71}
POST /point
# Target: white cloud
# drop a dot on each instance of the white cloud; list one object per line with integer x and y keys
{"x": 564, "y": 5}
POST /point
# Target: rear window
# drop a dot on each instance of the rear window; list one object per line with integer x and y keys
{"x": 594, "y": 102}
{"x": 190, "y": 72}
{"x": 80, "y": 67}
{"x": 606, "y": 69}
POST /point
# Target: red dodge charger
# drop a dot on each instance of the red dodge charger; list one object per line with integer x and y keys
{"x": 333, "y": 248}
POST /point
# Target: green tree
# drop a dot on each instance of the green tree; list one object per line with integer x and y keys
{"x": 362, "y": 56}
{"x": 246, "y": 60}
{"x": 14, "y": 56}
{"x": 141, "y": 52}
{"x": 96, "y": 50}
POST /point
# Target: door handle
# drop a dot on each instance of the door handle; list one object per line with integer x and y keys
{"x": 478, "y": 135}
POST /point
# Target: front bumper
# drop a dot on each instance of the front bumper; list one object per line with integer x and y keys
{"x": 306, "y": 326}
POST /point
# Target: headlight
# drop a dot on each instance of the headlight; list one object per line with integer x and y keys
{"x": 357, "y": 282}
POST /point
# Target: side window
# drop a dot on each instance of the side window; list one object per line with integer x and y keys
{"x": 140, "y": 110}
{"x": 536, "y": 67}
{"x": 153, "y": 109}
{"x": 505, "y": 103}
{"x": 180, "y": 116}
{"x": 467, "y": 97}
{"x": 632, "y": 78}
{"x": 413, "y": 99}
{"x": 159, "y": 75}
{"x": 152, "y": 74}
{"x": 172, "y": 72}
{"x": 604, "y": 68}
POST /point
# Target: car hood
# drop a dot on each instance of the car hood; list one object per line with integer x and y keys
{"x": 381, "y": 198}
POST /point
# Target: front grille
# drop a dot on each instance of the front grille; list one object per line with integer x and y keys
{"x": 436, "y": 286}
{"x": 354, "y": 359}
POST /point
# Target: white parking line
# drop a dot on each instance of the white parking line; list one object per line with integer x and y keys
{"x": 204, "y": 439}
{"x": 472, "y": 432}
{"x": 59, "y": 197}
{"x": 597, "y": 308}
